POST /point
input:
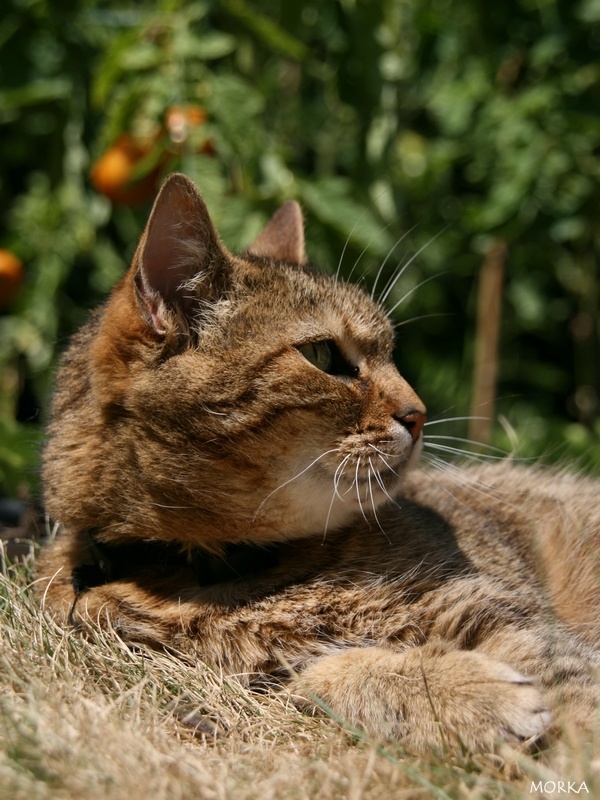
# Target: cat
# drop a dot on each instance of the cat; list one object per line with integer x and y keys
{"x": 232, "y": 462}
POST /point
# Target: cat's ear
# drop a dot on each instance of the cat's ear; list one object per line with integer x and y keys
{"x": 283, "y": 237}
{"x": 178, "y": 245}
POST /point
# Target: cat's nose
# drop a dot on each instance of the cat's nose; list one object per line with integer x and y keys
{"x": 413, "y": 421}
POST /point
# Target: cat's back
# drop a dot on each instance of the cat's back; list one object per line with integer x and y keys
{"x": 73, "y": 377}
{"x": 526, "y": 502}
{"x": 533, "y": 527}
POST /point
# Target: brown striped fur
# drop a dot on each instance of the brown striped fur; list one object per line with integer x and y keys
{"x": 462, "y": 614}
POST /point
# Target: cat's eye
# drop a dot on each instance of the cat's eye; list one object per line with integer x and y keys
{"x": 326, "y": 356}
{"x": 318, "y": 353}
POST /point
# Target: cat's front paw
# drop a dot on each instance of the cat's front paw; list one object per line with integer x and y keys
{"x": 510, "y": 708}
{"x": 427, "y": 698}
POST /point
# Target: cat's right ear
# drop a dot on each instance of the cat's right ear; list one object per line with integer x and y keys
{"x": 283, "y": 237}
{"x": 178, "y": 256}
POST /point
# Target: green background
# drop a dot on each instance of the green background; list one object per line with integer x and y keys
{"x": 439, "y": 125}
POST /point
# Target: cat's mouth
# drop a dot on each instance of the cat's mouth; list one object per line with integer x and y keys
{"x": 385, "y": 455}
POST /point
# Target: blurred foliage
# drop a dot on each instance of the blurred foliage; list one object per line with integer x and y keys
{"x": 415, "y": 133}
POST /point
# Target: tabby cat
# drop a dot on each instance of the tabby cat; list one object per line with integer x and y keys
{"x": 231, "y": 462}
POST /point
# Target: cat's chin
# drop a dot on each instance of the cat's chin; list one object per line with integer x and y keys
{"x": 315, "y": 505}
{"x": 336, "y": 490}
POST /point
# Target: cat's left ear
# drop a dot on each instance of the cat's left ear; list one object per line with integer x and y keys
{"x": 180, "y": 259}
{"x": 283, "y": 237}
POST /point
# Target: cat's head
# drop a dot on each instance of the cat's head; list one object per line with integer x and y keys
{"x": 253, "y": 397}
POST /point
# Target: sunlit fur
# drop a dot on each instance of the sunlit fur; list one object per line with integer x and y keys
{"x": 445, "y": 608}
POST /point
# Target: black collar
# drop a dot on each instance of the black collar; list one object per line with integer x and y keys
{"x": 112, "y": 562}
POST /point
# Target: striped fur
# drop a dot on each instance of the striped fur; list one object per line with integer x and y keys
{"x": 436, "y": 610}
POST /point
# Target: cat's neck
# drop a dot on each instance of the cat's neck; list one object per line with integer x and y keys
{"x": 111, "y": 562}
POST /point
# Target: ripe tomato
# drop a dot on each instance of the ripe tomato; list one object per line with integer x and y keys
{"x": 112, "y": 173}
{"x": 11, "y": 277}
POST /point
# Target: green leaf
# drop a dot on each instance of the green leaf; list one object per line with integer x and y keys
{"x": 234, "y": 99}
{"x": 110, "y": 69}
{"x": 144, "y": 56}
{"x": 40, "y": 91}
{"x": 272, "y": 35}
{"x": 209, "y": 47}
{"x": 19, "y": 454}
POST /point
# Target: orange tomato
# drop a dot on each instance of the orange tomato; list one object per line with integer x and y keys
{"x": 112, "y": 174}
{"x": 11, "y": 277}
{"x": 181, "y": 120}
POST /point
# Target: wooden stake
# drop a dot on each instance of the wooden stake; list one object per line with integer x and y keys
{"x": 487, "y": 336}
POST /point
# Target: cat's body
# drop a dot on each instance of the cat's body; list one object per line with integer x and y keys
{"x": 253, "y": 423}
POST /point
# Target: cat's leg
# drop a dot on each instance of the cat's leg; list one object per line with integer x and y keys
{"x": 428, "y": 697}
{"x": 124, "y": 606}
{"x": 55, "y": 566}
{"x": 479, "y": 616}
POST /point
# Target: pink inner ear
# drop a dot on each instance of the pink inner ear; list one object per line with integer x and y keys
{"x": 283, "y": 237}
{"x": 179, "y": 240}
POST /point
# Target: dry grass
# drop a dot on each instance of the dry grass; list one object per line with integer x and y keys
{"x": 92, "y": 718}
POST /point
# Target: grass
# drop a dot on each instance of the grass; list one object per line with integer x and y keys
{"x": 89, "y": 717}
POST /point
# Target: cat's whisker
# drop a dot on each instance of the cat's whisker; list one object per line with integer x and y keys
{"x": 452, "y": 419}
{"x": 357, "y": 482}
{"x": 386, "y": 259}
{"x": 399, "y": 272}
{"x": 295, "y": 477}
{"x": 337, "y": 476}
{"x": 403, "y": 322}
{"x": 472, "y": 442}
{"x": 462, "y": 477}
{"x": 441, "y": 465}
{"x": 462, "y": 452}
{"x": 381, "y": 483}
{"x": 383, "y": 456}
{"x": 440, "y": 418}
{"x": 410, "y": 261}
{"x": 346, "y": 243}
{"x": 336, "y": 482}
{"x": 381, "y": 452}
{"x": 373, "y": 505}
{"x": 406, "y": 295}
{"x": 351, "y": 487}
{"x": 364, "y": 250}
{"x": 349, "y": 237}
{"x": 331, "y": 502}
{"x": 391, "y": 282}
{"x": 457, "y": 478}
{"x": 487, "y": 448}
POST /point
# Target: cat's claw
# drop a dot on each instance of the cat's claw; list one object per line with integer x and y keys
{"x": 430, "y": 700}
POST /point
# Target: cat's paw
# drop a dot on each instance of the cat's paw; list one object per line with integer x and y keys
{"x": 498, "y": 704}
{"x": 427, "y": 698}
